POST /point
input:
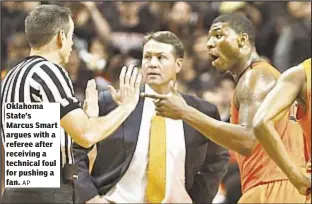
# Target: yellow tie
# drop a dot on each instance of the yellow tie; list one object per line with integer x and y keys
{"x": 156, "y": 170}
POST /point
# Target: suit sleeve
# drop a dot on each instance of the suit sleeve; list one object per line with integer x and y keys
{"x": 84, "y": 186}
{"x": 208, "y": 179}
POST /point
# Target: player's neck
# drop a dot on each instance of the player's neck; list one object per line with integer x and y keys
{"x": 51, "y": 56}
{"x": 240, "y": 68}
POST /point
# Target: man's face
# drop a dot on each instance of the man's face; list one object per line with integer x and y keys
{"x": 67, "y": 43}
{"x": 223, "y": 48}
{"x": 159, "y": 64}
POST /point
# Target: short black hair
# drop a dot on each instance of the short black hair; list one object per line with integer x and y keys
{"x": 239, "y": 23}
{"x": 44, "y": 22}
{"x": 168, "y": 38}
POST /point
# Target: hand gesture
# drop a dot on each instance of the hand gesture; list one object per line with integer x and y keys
{"x": 90, "y": 105}
{"x": 129, "y": 83}
{"x": 171, "y": 105}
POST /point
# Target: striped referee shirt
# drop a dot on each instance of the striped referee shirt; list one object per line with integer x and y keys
{"x": 37, "y": 80}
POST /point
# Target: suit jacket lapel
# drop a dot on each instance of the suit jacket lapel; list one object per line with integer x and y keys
{"x": 132, "y": 127}
{"x": 187, "y": 129}
{"x": 188, "y": 136}
{"x": 131, "y": 132}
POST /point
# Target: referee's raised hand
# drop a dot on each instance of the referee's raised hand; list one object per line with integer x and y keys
{"x": 129, "y": 84}
{"x": 90, "y": 105}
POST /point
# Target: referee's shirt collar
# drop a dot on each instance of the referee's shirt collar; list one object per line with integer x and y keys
{"x": 35, "y": 56}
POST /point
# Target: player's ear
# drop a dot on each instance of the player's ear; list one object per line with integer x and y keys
{"x": 243, "y": 39}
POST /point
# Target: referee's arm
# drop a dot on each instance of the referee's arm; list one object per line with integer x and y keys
{"x": 55, "y": 87}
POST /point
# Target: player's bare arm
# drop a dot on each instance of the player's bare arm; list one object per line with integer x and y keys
{"x": 288, "y": 88}
{"x": 250, "y": 92}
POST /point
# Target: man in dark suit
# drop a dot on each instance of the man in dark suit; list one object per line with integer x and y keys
{"x": 150, "y": 158}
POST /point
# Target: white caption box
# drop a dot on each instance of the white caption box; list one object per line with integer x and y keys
{"x": 37, "y": 166}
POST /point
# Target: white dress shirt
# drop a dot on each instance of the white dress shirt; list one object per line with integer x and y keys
{"x": 131, "y": 187}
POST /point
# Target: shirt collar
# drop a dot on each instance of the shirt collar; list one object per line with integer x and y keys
{"x": 149, "y": 90}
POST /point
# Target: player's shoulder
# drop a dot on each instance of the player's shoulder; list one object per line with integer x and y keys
{"x": 264, "y": 68}
{"x": 307, "y": 62}
{"x": 295, "y": 73}
{"x": 306, "y": 65}
{"x": 260, "y": 72}
{"x": 256, "y": 81}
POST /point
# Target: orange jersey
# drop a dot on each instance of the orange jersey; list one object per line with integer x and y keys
{"x": 259, "y": 168}
{"x": 304, "y": 119}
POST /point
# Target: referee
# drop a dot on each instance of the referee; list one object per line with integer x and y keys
{"x": 41, "y": 78}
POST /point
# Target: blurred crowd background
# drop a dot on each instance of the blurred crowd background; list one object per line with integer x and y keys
{"x": 109, "y": 35}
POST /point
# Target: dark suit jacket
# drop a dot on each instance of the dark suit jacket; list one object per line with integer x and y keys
{"x": 205, "y": 164}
